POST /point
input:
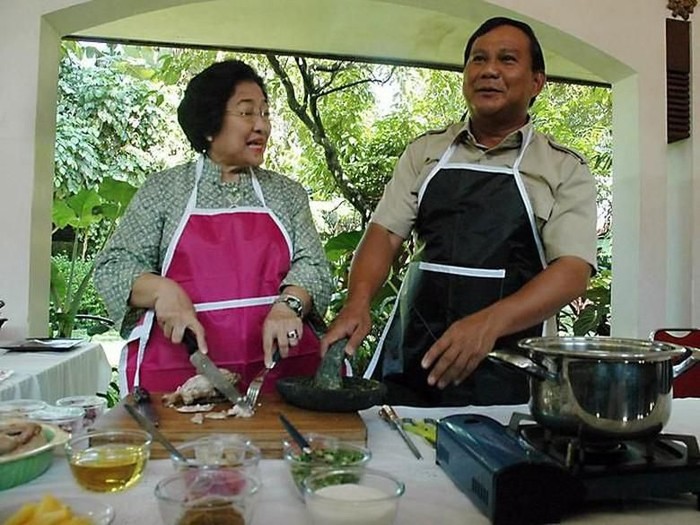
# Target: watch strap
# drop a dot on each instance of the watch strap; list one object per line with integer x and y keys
{"x": 293, "y": 302}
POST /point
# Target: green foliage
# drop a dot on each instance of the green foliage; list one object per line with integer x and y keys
{"x": 109, "y": 123}
{"x": 116, "y": 120}
{"x": 81, "y": 212}
{"x": 112, "y": 394}
{"x": 339, "y": 251}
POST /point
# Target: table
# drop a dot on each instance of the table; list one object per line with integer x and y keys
{"x": 430, "y": 496}
{"x": 49, "y": 376}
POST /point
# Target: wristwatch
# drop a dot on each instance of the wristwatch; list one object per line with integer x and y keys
{"x": 293, "y": 302}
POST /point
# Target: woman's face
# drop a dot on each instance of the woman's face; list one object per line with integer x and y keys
{"x": 245, "y": 128}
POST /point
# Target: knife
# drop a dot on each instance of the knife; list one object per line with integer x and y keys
{"x": 148, "y": 426}
{"x": 208, "y": 369}
{"x": 390, "y": 416}
{"x": 142, "y": 399}
{"x": 296, "y": 435}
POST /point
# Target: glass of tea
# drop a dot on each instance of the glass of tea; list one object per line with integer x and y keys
{"x": 108, "y": 461}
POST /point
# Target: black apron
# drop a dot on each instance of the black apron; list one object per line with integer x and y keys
{"x": 478, "y": 242}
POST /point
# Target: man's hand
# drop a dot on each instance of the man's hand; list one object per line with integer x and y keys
{"x": 353, "y": 321}
{"x": 466, "y": 342}
{"x": 460, "y": 350}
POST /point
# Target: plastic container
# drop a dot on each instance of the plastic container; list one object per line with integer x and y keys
{"x": 94, "y": 407}
{"x": 69, "y": 419}
{"x": 20, "y": 408}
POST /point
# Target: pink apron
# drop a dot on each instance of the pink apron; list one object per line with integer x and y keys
{"x": 231, "y": 263}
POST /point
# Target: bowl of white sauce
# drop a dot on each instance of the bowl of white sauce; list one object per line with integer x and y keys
{"x": 352, "y": 496}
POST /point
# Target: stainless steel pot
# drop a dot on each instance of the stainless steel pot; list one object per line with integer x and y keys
{"x": 603, "y": 387}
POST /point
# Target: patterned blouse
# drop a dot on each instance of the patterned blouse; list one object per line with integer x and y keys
{"x": 141, "y": 240}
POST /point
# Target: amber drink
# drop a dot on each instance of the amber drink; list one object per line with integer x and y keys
{"x": 108, "y": 461}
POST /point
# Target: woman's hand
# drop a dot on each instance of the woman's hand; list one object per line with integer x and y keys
{"x": 173, "y": 308}
{"x": 282, "y": 328}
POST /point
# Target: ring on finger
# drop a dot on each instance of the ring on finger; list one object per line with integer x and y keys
{"x": 292, "y": 334}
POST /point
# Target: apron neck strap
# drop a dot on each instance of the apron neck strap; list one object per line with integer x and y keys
{"x": 257, "y": 187}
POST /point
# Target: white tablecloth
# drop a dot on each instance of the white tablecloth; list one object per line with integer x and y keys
{"x": 430, "y": 496}
{"x": 52, "y": 375}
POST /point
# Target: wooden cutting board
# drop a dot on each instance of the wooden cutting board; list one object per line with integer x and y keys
{"x": 264, "y": 428}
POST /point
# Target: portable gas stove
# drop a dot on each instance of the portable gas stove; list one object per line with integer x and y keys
{"x": 524, "y": 473}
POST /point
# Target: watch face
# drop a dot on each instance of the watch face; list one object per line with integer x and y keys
{"x": 294, "y": 303}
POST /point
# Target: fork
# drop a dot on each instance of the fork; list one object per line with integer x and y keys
{"x": 253, "y": 391}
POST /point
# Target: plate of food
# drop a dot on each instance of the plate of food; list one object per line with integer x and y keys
{"x": 67, "y": 510}
{"x": 26, "y": 450}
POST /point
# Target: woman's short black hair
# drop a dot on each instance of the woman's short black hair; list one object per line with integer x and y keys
{"x": 201, "y": 111}
{"x": 492, "y": 23}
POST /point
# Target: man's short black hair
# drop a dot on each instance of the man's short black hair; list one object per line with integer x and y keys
{"x": 201, "y": 111}
{"x": 492, "y": 23}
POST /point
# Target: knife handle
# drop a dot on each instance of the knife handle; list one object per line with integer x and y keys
{"x": 296, "y": 435}
{"x": 190, "y": 341}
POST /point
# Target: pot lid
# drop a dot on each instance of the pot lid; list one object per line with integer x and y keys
{"x": 600, "y": 347}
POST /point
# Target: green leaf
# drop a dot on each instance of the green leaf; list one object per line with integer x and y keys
{"x": 587, "y": 321}
{"x": 342, "y": 244}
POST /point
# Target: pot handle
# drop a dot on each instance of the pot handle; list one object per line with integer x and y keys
{"x": 692, "y": 357}
{"x": 522, "y": 363}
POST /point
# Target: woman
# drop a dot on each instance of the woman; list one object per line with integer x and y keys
{"x": 221, "y": 247}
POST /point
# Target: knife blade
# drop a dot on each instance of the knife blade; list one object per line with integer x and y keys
{"x": 142, "y": 400}
{"x": 208, "y": 369}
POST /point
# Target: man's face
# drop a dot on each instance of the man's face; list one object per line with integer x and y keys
{"x": 498, "y": 77}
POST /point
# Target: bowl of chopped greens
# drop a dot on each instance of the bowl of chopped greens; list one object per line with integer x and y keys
{"x": 327, "y": 452}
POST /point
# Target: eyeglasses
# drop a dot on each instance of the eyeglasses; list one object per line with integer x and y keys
{"x": 250, "y": 114}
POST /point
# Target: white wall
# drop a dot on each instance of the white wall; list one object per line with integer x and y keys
{"x": 656, "y": 254}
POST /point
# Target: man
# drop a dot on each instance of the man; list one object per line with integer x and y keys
{"x": 504, "y": 221}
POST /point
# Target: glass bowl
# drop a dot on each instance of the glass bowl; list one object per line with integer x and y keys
{"x": 220, "y": 451}
{"x": 69, "y": 419}
{"x": 201, "y": 496}
{"x": 97, "y": 512}
{"x": 108, "y": 461}
{"x": 328, "y": 452}
{"x": 94, "y": 407}
{"x": 352, "y": 496}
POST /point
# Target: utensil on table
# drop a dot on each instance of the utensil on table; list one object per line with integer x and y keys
{"x": 208, "y": 369}
{"x": 296, "y": 435}
{"x": 256, "y": 384}
{"x": 388, "y": 414}
{"x": 142, "y": 399}
{"x": 426, "y": 428}
{"x": 149, "y": 427}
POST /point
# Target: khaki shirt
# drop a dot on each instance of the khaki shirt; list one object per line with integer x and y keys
{"x": 559, "y": 184}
